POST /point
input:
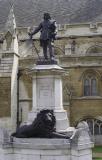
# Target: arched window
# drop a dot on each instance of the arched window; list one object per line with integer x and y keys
{"x": 86, "y": 87}
{"x": 96, "y": 129}
{"x": 93, "y": 87}
{"x": 95, "y": 126}
{"x": 101, "y": 128}
{"x": 90, "y": 85}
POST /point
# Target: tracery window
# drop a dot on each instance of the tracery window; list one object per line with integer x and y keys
{"x": 95, "y": 126}
{"x": 90, "y": 86}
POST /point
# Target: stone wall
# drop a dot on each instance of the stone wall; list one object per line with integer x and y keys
{"x": 80, "y": 106}
{"x": 5, "y": 96}
{"x": 85, "y": 108}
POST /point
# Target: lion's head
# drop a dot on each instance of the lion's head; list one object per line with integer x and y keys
{"x": 47, "y": 118}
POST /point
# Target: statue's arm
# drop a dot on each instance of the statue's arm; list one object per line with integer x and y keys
{"x": 37, "y": 29}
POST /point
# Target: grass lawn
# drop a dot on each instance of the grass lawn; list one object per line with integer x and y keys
{"x": 97, "y": 151}
{"x": 97, "y": 158}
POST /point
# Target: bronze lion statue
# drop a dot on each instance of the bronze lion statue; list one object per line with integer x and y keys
{"x": 42, "y": 127}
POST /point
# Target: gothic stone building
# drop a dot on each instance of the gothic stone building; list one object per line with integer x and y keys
{"x": 78, "y": 50}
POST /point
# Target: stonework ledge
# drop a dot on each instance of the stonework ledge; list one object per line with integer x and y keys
{"x": 40, "y": 143}
{"x": 46, "y": 67}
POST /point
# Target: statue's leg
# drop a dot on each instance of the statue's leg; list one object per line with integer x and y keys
{"x": 51, "y": 49}
{"x": 45, "y": 49}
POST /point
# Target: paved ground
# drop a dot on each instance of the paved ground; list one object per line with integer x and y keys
{"x": 97, "y": 155}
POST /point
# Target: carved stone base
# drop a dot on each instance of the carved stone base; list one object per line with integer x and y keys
{"x": 46, "y": 62}
{"x": 79, "y": 148}
{"x": 47, "y": 93}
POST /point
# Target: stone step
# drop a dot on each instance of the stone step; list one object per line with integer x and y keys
{"x": 96, "y": 154}
{"x": 5, "y": 71}
{"x": 6, "y": 65}
{"x": 5, "y": 68}
{"x": 3, "y": 61}
{"x": 6, "y": 62}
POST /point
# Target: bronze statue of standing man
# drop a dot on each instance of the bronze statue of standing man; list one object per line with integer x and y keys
{"x": 48, "y": 32}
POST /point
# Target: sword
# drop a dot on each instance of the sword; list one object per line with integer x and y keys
{"x": 31, "y": 41}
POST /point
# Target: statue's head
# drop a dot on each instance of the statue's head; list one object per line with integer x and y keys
{"x": 47, "y": 16}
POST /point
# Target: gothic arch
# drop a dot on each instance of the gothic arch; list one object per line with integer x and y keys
{"x": 95, "y": 124}
{"x": 90, "y": 82}
{"x": 90, "y": 71}
{"x": 59, "y": 50}
{"x": 94, "y": 49}
{"x": 83, "y": 119}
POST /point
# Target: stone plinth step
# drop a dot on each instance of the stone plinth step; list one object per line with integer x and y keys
{"x": 5, "y": 71}
{"x": 3, "y": 61}
{"x": 6, "y": 65}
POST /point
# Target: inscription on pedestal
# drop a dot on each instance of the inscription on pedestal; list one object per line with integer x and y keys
{"x": 45, "y": 92}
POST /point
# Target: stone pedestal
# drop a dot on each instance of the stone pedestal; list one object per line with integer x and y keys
{"x": 43, "y": 149}
{"x": 47, "y": 93}
{"x": 79, "y": 148}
